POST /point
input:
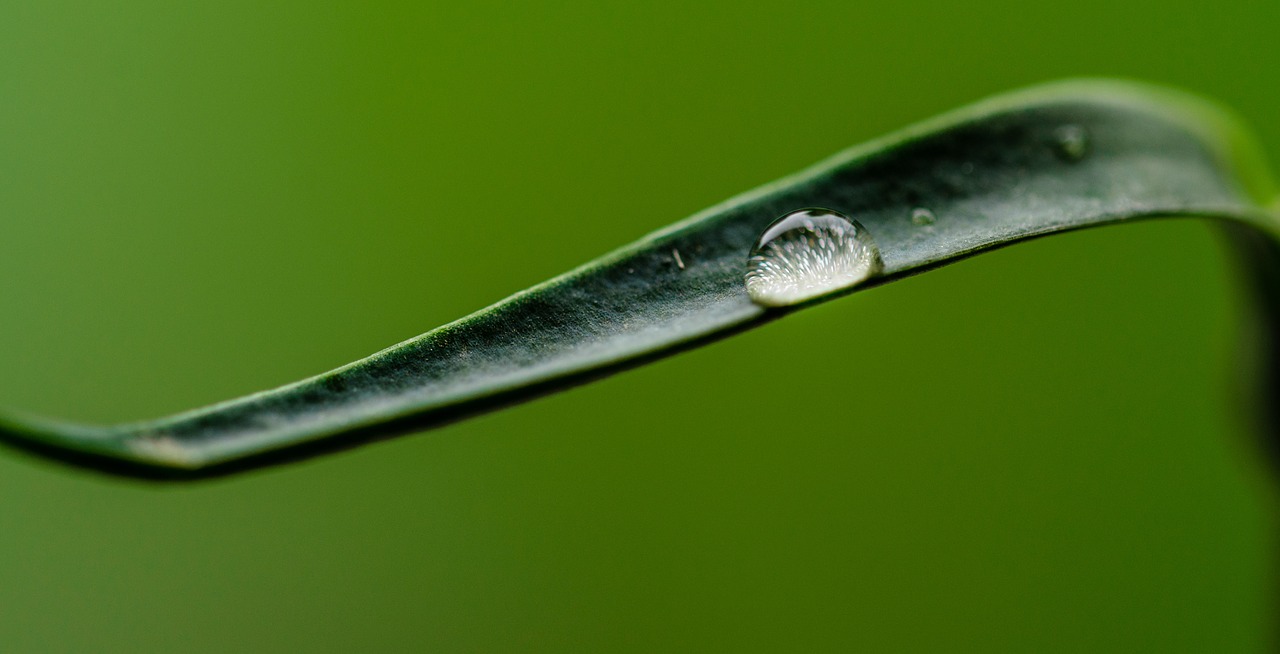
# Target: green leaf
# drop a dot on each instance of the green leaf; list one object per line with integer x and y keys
{"x": 1028, "y": 164}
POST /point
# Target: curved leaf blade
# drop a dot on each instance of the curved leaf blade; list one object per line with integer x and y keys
{"x": 1032, "y": 163}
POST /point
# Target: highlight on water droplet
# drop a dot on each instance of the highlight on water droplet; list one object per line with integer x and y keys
{"x": 922, "y": 216}
{"x": 807, "y": 254}
{"x": 1071, "y": 142}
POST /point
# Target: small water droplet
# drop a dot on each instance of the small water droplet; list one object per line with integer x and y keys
{"x": 807, "y": 254}
{"x": 922, "y": 216}
{"x": 1071, "y": 142}
{"x": 966, "y": 168}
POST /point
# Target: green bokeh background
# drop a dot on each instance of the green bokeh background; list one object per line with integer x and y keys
{"x": 1040, "y": 449}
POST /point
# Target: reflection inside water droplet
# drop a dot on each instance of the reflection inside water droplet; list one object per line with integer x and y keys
{"x": 922, "y": 216}
{"x": 807, "y": 254}
{"x": 1071, "y": 142}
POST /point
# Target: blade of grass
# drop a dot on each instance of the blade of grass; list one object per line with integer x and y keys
{"x": 1028, "y": 164}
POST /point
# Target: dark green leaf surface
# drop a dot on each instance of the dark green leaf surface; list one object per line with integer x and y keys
{"x": 1032, "y": 163}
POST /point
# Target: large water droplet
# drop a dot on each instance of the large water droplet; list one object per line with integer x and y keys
{"x": 1071, "y": 142}
{"x": 922, "y": 216}
{"x": 807, "y": 254}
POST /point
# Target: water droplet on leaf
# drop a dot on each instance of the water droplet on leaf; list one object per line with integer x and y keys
{"x": 1071, "y": 142}
{"x": 922, "y": 216}
{"x": 807, "y": 254}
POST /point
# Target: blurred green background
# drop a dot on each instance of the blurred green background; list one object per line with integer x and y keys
{"x": 1038, "y": 449}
